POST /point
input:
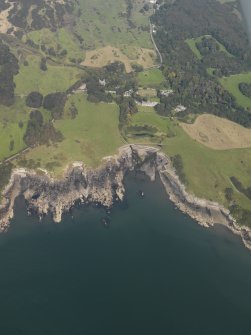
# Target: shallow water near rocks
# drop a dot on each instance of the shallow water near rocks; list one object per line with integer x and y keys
{"x": 152, "y": 271}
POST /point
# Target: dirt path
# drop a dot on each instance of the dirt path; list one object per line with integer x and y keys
{"x": 14, "y": 156}
{"x": 154, "y": 43}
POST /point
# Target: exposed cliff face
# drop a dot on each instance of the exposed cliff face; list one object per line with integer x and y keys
{"x": 45, "y": 195}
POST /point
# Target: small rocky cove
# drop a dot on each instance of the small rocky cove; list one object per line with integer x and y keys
{"x": 45, "y": 195}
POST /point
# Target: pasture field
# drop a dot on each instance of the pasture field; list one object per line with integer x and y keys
{"x": 98, "y": 24}
{"x": 218, "y": 133}
{"x": 11, "y": 130}
{"x": 103, "y": 56}
{"x": 92, "y": 135}
{"x": 56, "y": 78}
{"x": 104, "y": 23}
{"x": 207, "y": 171}
{"x": 231, "y": 84}
{"x": 147, "y": 115}
{"x": 191, "y": 42}
{"x": 60, "y": 40}
{"x": 151, "y": 78}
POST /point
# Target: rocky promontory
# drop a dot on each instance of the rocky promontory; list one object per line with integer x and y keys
{"x": 45, "y": 195}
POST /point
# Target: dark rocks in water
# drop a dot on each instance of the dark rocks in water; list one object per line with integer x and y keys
{"x": 108, "y": 211}
{"x": 35, "y": 196}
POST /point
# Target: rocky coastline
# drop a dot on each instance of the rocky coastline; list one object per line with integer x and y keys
{"x": 45, "y": 195}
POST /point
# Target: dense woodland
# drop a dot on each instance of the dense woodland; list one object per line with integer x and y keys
{"x": 40, "y": 132}
{"x": 187, "y": 74}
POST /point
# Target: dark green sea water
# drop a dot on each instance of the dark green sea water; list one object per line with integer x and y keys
{"x": 153, "y": 271}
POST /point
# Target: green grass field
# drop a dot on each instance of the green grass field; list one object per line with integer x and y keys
{"x": 92, "y": 135}
{"x": 56, "y": 78}
{"x": 150, "y": 78}
{"x": 231, "y": 84}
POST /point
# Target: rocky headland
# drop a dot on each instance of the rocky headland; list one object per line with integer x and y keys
{"x": 45, "y": 195}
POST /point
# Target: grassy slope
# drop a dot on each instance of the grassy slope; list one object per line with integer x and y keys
{"x": 232, "y": 85}
{"x": 147, "y": 116}
{"x": 101, "y": 23}
{"x": 62, "y": 38}
{"x": 56, "y": 78}
{"x": 207, "y": 171}
{"x": 192, "y": 44}
{"x": 9, "y": 129}
{"x": 104, "y": 23}
{"x": 92, "y": 135}
{"x": 150, "y": 78}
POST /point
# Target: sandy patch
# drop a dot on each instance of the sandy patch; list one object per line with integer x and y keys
{"x": 5, "y": 25}
{"x": 103, "y": 56}
{"x": 218, "y": 133}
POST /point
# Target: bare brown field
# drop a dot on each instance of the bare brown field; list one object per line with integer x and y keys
{"x": 103, "y": 56}
{"x": 217, "y": 133}
{"x": 5, "y": 25}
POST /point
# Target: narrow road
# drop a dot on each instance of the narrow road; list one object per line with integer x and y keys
{"x": 154, "y": 43}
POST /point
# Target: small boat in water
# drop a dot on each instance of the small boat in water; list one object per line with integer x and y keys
{"x": 141, "y": 194}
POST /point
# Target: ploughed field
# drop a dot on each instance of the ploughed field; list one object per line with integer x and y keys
{"x": 218, "y": 133}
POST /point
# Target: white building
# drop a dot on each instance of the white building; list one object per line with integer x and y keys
{"x": 166, "y": 93}
{"x": 147, "y": 103}
{"x": 128, "y": 93}
{"x": 179, "y": 108}
{"x": 102, "y": 82}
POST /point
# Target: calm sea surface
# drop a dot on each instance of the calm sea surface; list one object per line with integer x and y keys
{"x": 153, "y": 271}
